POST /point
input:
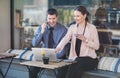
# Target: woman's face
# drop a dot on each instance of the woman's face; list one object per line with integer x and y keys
{"x": 79, "y": 17}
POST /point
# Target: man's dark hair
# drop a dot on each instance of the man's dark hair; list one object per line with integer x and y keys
{"x": 52, "y": 11}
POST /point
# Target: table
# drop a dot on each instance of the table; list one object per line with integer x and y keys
{"x": 51, "y": 65}
{"x": 115, "y": 47}
{"x": 7, "y": 55}
{"x": 115, "y": 36}
{"x": 114, "y": 32}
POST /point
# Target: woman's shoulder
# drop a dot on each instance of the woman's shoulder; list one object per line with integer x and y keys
{"x": 91, "y": 26}
{"x": 72, "y": 26}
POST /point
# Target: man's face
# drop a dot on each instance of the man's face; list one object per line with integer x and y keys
{"x": 52, "y": 20}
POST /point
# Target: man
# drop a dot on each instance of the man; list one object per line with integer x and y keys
{"x": 43, "y": 35}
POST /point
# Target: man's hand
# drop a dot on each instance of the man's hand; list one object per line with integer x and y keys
{"x": 43, "y": 26}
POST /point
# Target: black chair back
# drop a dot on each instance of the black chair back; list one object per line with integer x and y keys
{"x": 105, "y": 37}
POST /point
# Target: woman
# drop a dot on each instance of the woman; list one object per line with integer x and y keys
{"x": 84, "y": 42}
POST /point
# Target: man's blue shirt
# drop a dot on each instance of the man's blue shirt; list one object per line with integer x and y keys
{"x": 58, "y": 33}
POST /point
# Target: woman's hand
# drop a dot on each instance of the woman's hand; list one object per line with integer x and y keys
{"x": 57, "y": 50}
{"x": 81, "y": 37}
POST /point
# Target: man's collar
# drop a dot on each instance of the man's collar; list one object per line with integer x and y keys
{"x": 51, "y": 27}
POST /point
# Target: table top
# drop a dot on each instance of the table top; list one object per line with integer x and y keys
{"x": 114, "y": 32}
{"x": 112, "y": 46}
{"x": 7, "y": 55}
{"x": 51, "y": 65}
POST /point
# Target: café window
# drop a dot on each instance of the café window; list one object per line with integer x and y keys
{"x": 29, "y": 14}
{"x": 104, "y": 14}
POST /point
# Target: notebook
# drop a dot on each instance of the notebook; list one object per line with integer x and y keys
{"x": 49, "y": 53}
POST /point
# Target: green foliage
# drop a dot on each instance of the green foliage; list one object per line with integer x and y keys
{"x": 65, "y": 15}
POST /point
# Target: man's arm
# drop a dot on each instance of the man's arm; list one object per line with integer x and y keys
{"x": 64, "y": 51}
{"x": 38, "y": 36}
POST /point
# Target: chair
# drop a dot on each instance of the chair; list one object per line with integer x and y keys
{"x": 105, "y": 39}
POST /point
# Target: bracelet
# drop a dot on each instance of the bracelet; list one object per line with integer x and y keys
{"x": 86, "y": 40}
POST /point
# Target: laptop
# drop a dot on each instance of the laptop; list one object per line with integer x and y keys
{"x": 49, "y": 53}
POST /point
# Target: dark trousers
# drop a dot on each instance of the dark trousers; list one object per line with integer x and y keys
{"x": 83, "y": 64}
{"x": 60, "y": 72}
{"x": 33, "y": 73}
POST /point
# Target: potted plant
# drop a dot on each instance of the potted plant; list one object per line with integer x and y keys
{"x": 45, "y": 59}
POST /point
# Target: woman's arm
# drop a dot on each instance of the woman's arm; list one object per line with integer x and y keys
{"x": 93, "y": 41}
{"x": 64, "y": 41}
